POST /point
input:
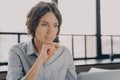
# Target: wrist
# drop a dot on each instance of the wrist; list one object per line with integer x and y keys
{"x": 41, "y": 59}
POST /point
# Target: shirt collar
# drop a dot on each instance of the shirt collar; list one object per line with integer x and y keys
{"x": 30, "y": 47}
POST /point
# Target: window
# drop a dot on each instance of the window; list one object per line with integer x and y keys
{"x": 78, "y": 29}
{"x": 6, "y": 41}
{"x": 110, "y": 25}
{"x": 12, "y": 19}
{"x": 79, "y": 17}
{"x": 13, "y": 14}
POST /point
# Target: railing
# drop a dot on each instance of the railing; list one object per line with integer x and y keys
{"x": 84, "y": 43}
{"x": 73, "y": 36}
{"x": 113, "y": 42}
{"x": 13, "y": 33}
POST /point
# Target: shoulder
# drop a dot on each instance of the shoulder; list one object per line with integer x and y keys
{"x": 65, "y": 48}
{"x": 18, "y": 47}
{"x": 67, "y": 54}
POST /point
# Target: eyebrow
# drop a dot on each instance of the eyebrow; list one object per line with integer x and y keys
{"x": 48, "y": 22}
{"x": 44, "y": 21}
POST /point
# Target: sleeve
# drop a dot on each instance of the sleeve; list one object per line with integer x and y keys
{"x": 71, "y": 73}
{"x": 15, "y": 68}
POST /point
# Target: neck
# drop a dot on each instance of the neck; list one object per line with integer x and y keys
{"x": 37, "y": 45}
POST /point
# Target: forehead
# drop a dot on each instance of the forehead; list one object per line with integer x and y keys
{"x": 49, "y": 17}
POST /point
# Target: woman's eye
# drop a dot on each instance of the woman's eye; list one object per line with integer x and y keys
{"x": 55, "y": 25}
{"x": 44, "y": 24}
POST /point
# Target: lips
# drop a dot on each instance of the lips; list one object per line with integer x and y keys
{"x": 48, "y": 38}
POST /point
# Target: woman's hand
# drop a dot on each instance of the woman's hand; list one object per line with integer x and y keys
{"x": 48, "y": 50}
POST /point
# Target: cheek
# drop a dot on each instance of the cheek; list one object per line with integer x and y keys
{"x": 56, "y": 31}
{"x": 55, "y": 35}
{"x": 38, "y": 32}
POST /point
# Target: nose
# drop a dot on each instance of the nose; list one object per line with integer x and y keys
{"x": 49, "y": 31}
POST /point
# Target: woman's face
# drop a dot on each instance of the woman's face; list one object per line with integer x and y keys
{"x": 47, "y": 28}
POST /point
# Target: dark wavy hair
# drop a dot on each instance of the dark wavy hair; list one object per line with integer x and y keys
{"x": 36, "y": 13}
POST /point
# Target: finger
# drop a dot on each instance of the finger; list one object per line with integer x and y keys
{"x": 48, "y": 51}
{"x": 49, "y": 56}
{"x": 57, "y": 46}
{"x": 51, "y": 51}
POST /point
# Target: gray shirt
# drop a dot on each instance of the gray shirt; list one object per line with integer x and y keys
{"x": 22, "y": 56}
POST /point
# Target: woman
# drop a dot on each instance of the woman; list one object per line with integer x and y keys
{"x": 42, "y": 58}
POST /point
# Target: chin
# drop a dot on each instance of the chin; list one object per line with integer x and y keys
{"x": 48, "y": 41}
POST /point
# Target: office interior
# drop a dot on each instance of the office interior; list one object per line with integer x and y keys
{"x": 90, "y": 29}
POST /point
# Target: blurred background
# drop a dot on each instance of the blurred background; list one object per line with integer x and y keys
{"x": 90, "y": 29}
